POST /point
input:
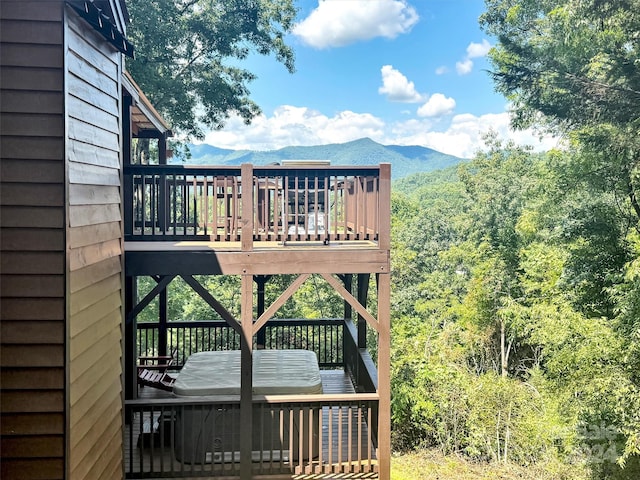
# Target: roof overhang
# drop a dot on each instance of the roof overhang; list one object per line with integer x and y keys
{"x": 144, "y": 117}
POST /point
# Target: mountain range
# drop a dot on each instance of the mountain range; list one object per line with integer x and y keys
{"x": 405, "y": 160}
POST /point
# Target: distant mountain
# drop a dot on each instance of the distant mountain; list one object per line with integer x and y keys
{"x": 405, "y": 160}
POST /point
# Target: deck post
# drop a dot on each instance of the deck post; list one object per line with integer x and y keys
{"x": 127, "y": 183}
{"x": 246, "y": 173}
{"x": 363, "y": 292}
{"x": 384, "y": 329}
{"x": 261, "y": 281}
{"x": 384, "y": 379}
{"x": 246, "y": 378}
{"x": 347, "y": 280}
{"x": 162, "y": 322}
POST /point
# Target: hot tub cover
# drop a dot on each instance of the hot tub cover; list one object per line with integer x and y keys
{"x": 275, "y": 372}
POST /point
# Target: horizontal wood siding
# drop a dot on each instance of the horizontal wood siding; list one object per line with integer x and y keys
{"x": 94, "y": 238}
{"x": 32, "y": 240}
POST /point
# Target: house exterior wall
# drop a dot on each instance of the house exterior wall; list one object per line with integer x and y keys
{"x": 94, "y": 232}
{"x": 60, "y": 246}
{"x": 32, "y": 240}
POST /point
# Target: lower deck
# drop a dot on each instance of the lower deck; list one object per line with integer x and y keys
{"x": 344, "y": 446}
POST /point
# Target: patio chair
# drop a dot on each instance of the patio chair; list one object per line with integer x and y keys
{"x": 154, "y": 371}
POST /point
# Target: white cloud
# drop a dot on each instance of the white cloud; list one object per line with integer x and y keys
{"x": 290, "y": 125}
{"x": 442, "y": 70}
{"x": 464, "y": 67}
{"x": 437, "y": 106}
{"x": 336, "y": 23}
{"x": 463, "y": 137}
{"x": 475, "y": 50}
{"x": 397, "y": 87}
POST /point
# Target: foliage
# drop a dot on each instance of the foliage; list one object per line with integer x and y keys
{"x": 433, "y": 465}
{"x": 188, "y": 54}
{"x": 512, "y": 313}
{"x": 574, "y": 66}
{"x": 574, "y": 61}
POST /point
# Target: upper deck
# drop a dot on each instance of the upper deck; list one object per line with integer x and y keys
{"x": 296, "y": 218}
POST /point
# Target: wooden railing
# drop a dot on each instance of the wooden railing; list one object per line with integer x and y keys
{"x": 321, "y": 435}
{"x": 252, "y": 204}
{"x": 323, "y": 336}
{"x": 333, "y": 340}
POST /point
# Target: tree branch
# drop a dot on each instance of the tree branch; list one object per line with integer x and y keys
{"x": 601, "y": 85}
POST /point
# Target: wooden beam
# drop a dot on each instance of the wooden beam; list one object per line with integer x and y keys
{"x": 162, "y": 284}
{"x": 213, "y": 303}
{"x": 373, "y": 323}
{"x": 154, "y": 258}
{"x": 246, "y": 378}
{"x": 281, "y": 300}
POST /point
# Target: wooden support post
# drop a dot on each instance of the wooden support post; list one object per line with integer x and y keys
{"x": 127, "y": 101}
{"x": 246, "y": 378}
{"x": 347, "y": 279}
{"x": 246, "y": 172}
{"x": 363, "y": 293}
{"x": 384, "y": 328}
{"x": 163, "y": 195}
{"x": 162, "y": 149}
{"x": 162, "y": 322}
{"x": 384, "y": 207}
{"x": 261, "y": 281}
{"x": 384, "y": 378}
{"x": 127, "y": 186}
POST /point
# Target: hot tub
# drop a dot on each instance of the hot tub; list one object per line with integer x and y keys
{"x": 206, "y": 433}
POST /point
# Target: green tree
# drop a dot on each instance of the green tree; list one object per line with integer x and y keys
{"x": 188, "y": 55}
{"x": 499, "y": 183}
{"x": 574, "y": 66}
{"x": 574, "y": 61}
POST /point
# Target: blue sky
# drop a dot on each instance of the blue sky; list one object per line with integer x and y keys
{"x": 404, "y": 72}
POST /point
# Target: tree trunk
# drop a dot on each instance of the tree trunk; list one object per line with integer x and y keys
{"x": 507, "y": 435}
{"x": 503, "y": 349}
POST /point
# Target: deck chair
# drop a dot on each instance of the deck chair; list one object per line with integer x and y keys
{"x": 154, "y": 371}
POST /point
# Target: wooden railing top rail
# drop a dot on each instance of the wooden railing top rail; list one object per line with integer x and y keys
{"x": 260, "y": 171}
{"x": 325, "y": 399}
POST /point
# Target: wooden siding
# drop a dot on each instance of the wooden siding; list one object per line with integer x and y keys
{"x": 32, "y": 240}
{"x": 94, "y": 239}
